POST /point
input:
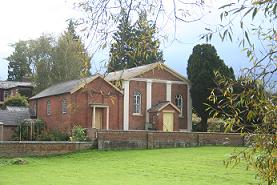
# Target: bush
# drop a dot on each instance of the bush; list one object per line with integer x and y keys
{"x": 35, "y": 130}
{"x": 78, "y": 134}
{"x": 216, "y": 125}
{"x": 53, "y": 135}
{"x": 19, "y": 101}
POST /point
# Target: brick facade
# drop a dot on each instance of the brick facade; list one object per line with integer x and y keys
{"x": 159, "y": 78}
{"x": 182, "y": 90}
{"x": 99, "y": 97}
{"x": 8, "y": 132}
{"x": 79, "y": 110}
{"x": 137, "y": 121}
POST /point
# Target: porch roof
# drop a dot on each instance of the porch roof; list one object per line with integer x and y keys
{"x": 161, "y": 105}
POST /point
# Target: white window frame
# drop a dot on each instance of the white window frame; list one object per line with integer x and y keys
{"x": 64, "y": 106}
{"x": 48, "y": 107}
{"x": 137, "y": 102}
{"x": 179, "y": 102}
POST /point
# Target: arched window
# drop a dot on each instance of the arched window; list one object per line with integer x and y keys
{"x": 48, "y": 107}
{"x": 137, "y": 102}
{"x": 179, "y": 103}
{"x": 64, "y": 106}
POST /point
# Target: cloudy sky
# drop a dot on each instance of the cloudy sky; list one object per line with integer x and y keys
{"x": 28, "y": 19}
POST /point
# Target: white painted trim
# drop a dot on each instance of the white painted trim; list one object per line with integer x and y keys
{"x": 148, "y": 98}
{"x": 168, "y": 91}
{"x": 126, "y": 105}
{"x": 93, "y": 118}
{"x": 169, "y": 111}
{"x": 107, "y": 118}
{"x": 158, "y": 81}
{"x": 99, "y": 105}
{"x": 189, "y": 109}
{"x": 94, "y": 106}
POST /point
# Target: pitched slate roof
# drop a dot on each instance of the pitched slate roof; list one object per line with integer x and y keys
{"x": 127, "y": 74}
{"x": 64, "y": 87}
{"x": 71, "y": 86}
{"x": 14, "y": 115}
{"x": 68, "y": 87}
{"x": 12, "y": 84}
{"x": 161, "y": 105}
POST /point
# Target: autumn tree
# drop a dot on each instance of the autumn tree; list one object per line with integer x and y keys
{"x": 71, "y": 60}
{"x": 42, "y": 59}
{"x": 260, "y": 153}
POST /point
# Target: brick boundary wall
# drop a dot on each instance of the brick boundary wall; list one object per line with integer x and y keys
{"x": 41, "y": 148}
{"x": 122, "y": 139}
{"x": 108, "y": 140}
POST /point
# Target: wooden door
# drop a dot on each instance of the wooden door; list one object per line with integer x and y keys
{"x": 168, "y": 121}
{"x": 98, "y": 118}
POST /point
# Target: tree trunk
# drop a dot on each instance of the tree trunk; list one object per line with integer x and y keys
{"x": 204, "y": 124}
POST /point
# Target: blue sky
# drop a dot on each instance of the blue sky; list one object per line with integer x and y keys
{"x": 22, "y": 20}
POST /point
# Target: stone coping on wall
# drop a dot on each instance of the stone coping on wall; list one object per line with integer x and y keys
{"x": 42, "y": 148}
{"x": 46, "y": 142}
{"x": 141, "y": 139}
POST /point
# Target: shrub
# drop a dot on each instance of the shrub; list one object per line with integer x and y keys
{"x": 216, "y": 125}
{"x": 78, "y": 134}
{"x": 53, "y": 135}
{"x": 19, "y": 101}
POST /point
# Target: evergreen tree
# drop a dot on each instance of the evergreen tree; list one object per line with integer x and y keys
{"x": 134, "y": 45}
{"x": 70, "y": 58}
{"x": 121, "y": 50}
{"x": 146, "y": 47}
{"x": 19, "y": 62}
{"x": 71, "y": 30}
{"x": 201, "y": 66}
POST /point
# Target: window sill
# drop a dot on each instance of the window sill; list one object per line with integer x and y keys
{"x": 137, "y": 114}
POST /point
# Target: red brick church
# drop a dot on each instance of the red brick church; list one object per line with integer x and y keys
{"x": 151, "y": 97}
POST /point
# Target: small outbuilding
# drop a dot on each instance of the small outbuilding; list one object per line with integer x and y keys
{"x": 164, "y": 116}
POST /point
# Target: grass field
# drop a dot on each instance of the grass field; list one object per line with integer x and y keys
{"x": 188, "y": 166}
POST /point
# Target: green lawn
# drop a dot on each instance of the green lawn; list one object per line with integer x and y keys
{"x": 199, "y": 165}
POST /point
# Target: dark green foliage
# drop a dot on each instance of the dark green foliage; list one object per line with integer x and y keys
{"x": 72, "y": 31}
{"x": 53, "y": 135}
{"x": 35, "y": 130}
{"x": 19, "y": 62}
{"x": 17, "y": 101}
{"x": 134, "y": 45}
{"x": 201, "y": 66}
{"x": 23, "y": 91}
